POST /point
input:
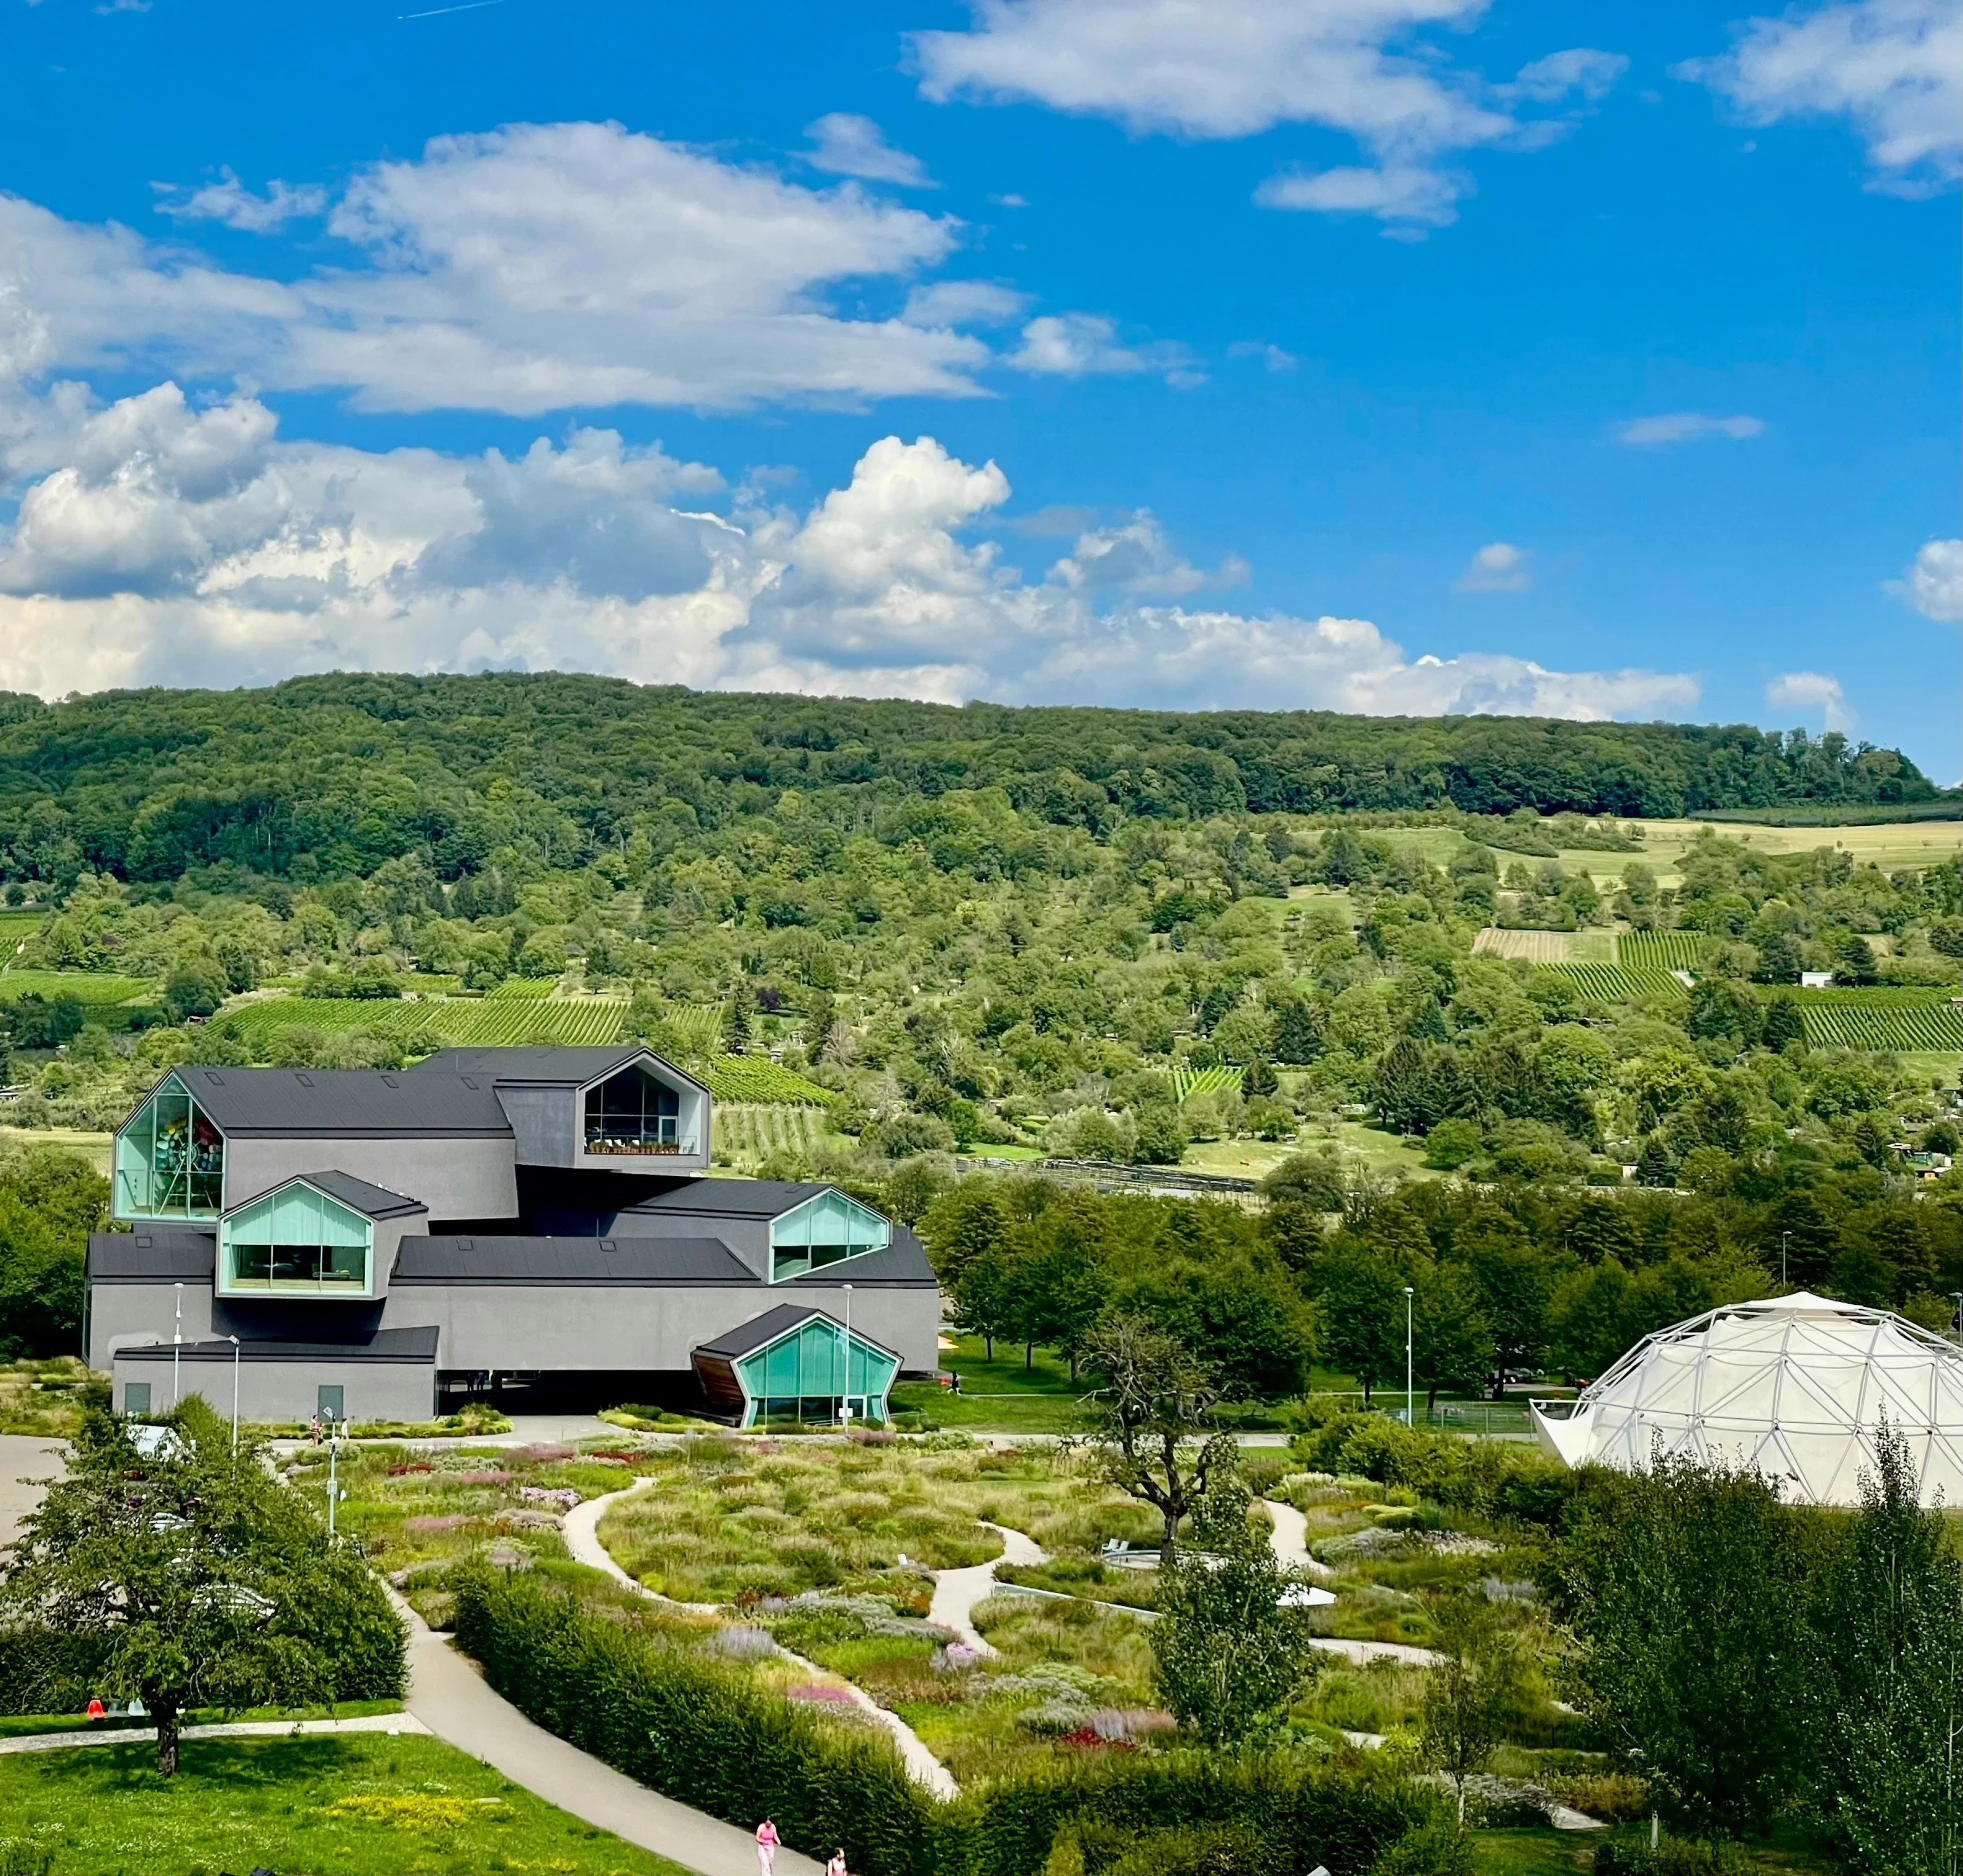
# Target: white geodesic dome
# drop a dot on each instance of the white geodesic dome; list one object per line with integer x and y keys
{"x": 1796, "y": 1386}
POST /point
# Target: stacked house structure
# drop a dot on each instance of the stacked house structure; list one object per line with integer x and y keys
{"x": 530, "y": 1223}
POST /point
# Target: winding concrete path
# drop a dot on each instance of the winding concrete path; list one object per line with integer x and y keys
{"x": 582, "y": 1533}
{"x": 450, "y": 1696}
{"x": 1288, "y": 1538}
{"x": 25, "y": 1461}
{"x": 956, "y": 1592}
{"x": 389, "y": 1723}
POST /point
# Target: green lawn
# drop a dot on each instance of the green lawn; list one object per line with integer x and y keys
{"x": 1569, "y": 1853}
{"x": 344, "y": 1805}
{"x": 1000, "y": 1395}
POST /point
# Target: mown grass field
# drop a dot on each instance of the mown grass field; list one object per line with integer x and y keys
{"x": 357, "y": 1804}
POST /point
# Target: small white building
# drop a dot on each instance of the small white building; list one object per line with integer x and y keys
{"x": 1816, "y": 980}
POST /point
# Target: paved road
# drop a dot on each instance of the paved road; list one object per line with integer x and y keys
{"x": 388, "y": 1723}
{"x": 449, "y": 1696}
{"x": 23, "y": 1458}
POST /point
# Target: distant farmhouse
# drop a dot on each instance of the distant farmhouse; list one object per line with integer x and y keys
{"x": 375, "y": 1246}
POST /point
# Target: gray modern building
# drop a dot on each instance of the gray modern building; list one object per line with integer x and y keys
{"x": 533, "y": 1225}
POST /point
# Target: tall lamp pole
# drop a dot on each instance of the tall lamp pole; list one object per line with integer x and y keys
{"x": 176, "y": 1343}
{"x": 1785, "y": 1242}
{"x": 845, "y": 1399}
{"x": 1410, "y": 1393}
{"x": 234, "y": 1340}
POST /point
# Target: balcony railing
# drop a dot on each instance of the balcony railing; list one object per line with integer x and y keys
{"x": 633, "y": 1142}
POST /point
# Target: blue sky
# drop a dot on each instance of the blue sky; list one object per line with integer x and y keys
{"x": 1362, "y": 354}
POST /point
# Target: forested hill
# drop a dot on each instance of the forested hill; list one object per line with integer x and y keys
{"x": 354, "y": 769}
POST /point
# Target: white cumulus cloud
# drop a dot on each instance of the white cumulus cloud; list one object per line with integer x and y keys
{"x": 1893, "y": 67}
{"x": 228, "y": 200}
{"x": 534, "y": 268}
{"x": 847, "y": 145}
{"x": 1234, "y": 68}
{"x": 1084, "y": 344}
{"x": 1685, "y": 426}
{"x": 1812, "y": 690}
{"x": 1498, "y": 567}
{"x": 964, "y": 303}
{"x": 1933, "y": 583}
{"x": 161, "y": 542}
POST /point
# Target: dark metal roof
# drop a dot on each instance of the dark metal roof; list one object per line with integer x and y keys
{"x": 565, "y": 1067}
{"x": 325, "y": 1103}
{"x": 628, "y": 1263}
{"x": 732, "y": 1198}
{"x": 406, "y": 1345}
{"x": 902, "y": 1265}
{"x": 372, "y": 1201}
{"x": 772, "y": 1326}
{"x": 152, "y": 1254}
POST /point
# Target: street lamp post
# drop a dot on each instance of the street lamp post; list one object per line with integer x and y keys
{"x": 176, "y": 1344}
{"x": 845, "y": 1399}
{"x": 234, "y": 1340}
{"x": 1785, "y": 1242}
{"x": 1410, "y": 1393}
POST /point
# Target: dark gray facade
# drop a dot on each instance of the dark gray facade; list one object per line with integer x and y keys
{"x": 504, "y": 1220}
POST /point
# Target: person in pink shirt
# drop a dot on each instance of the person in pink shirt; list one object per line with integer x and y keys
{"x": 836, "y": 1867}
{"x": 767, "y": 1842}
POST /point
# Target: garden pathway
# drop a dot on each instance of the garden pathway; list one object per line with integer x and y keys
{"x": 1289, "y": 1540}
{"x": 957, "y": 1591}
{"x": 451, "y": 1697}
{"x": 582, "y": 1533}
{"x": 23, "y": 1458}
{"x": 390, "y": 1723}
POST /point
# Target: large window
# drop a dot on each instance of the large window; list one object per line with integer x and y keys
{"x": 297, "y": 1242}
{"x": 813, "y": 1371}
{"x": 824, "y": 1230}
{"x": 633, "y": 1113}
{"x": 170, "y": 1159}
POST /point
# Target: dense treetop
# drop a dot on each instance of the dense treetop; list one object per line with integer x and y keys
{"x": 332, "y": 775}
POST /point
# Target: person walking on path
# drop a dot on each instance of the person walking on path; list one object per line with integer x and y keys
{"x": 767, "y": 1842}
{"x": 836, "y": 1867}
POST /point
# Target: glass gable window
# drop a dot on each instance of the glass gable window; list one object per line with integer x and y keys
{"x": 170, "y": 1159}
{"x": 631, "y": 1112}
{"x": 810, "y": 1373}
{"x": 824, "y": 1230}
{"x": 296, "y": 1242}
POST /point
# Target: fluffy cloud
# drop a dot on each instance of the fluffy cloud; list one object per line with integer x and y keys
{"x": 1498, "y": 567}
{"x": 162, "y": 543}
{"x": 535, "y": 268}
{"x": 1685, "y": 426}
{"x": 1812, "y": 690}
{"x": 845, "y": 145}
{"x": 1409, "y": 193}
{"x": 229, "y": 201}
{"x": 1136, "y": 558}
{"x": 1233, "y": 68}
{"x": 1933, "y": 583}
{"x": 964, "y": 303}
{"x": 1075, "y": 345}
{"x": 1895, "y": 67}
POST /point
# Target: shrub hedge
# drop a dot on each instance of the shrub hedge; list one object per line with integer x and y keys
{"x": 1491, "y": 1477}
{"x": 698, "y": 1730}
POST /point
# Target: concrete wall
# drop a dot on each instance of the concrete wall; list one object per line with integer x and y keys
{"x": 122, "y": 1313}
{"x": 545, "y": 1122}
{"x": 468, "y": 1178}
{"x": 749, "y": 1238}
{"x": 389, "y": 1233}
{"x": 568, "y": 1329}
{"x": 288, "y": 1390}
